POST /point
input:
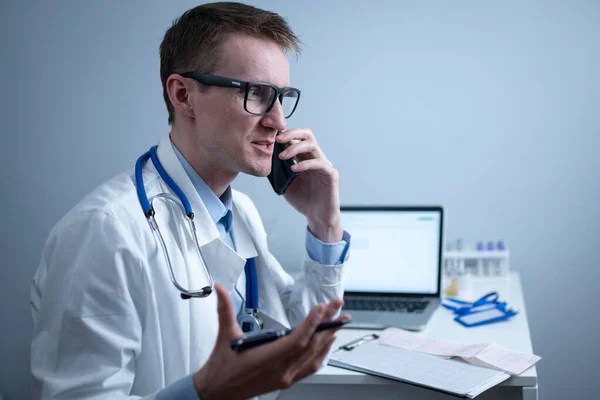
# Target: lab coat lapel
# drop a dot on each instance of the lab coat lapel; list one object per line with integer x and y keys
{"x": 224, "y": 264}
{"x": 242, "y": 236}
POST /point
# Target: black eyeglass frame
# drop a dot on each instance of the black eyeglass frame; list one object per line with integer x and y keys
{"x": 221, "y": 81}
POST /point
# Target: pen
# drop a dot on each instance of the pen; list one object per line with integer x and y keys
{"x": 266, "y": 337}
{"x": 359, "y": 341}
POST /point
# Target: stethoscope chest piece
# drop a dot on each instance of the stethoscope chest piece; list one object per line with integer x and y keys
{"x": 250, "y": 321}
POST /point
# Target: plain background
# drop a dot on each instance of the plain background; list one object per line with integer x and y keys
{"x": 490, "y": 108}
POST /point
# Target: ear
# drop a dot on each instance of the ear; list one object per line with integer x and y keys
{"x": 180, "y": 91}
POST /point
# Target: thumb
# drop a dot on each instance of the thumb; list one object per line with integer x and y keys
{"x": 229, "y": 328}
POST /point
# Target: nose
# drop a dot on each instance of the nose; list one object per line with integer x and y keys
{"x": 275, "y": 118}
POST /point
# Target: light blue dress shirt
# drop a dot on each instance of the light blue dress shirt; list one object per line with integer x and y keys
{"x": 220, "y": 210}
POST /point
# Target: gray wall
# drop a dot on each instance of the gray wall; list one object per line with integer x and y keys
{"x": 489, "y": 108}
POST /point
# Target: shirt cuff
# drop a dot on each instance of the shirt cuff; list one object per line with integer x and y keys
{"x": 327, "y": 253}
{"x": 183, "y": 389}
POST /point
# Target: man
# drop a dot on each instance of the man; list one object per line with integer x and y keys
{"x": 108, "y": 322}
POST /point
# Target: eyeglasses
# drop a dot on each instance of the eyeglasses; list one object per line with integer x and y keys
{"x": 259, "y": 97}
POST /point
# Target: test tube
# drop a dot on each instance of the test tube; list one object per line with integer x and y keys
{"x": 480, "y": 260}
{"x": 501, "y": 261}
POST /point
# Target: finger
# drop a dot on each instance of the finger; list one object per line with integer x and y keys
{"x": 321, "y": 165}
{"x": 312, "y": 364}
{"x": 344, "y": 316}
{"x": 287, "y": 349}
{"x": 309, "y": 147}
{"x": 302, "y": 361}
{"x": 295, "y": 352}
{"x": 299, "y": 339}
{"x": 341, "y": 317}
{"x": 310, "y": 336}
{"x": 295, "y": 134}
{"x": 332, "y": 308}
{"x": 276, "y": 352}
{"x": 229, "y": 328}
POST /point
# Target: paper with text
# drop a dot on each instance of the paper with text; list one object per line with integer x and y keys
{"x": 488, "y": 355}
{"x": 451, "y": 376}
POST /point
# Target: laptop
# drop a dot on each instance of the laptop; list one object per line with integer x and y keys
{"x": 394, "y": 270}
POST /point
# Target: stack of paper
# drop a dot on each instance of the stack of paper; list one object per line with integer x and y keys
{"x": 448, "y": 376}
{"x": 488, "y": 355}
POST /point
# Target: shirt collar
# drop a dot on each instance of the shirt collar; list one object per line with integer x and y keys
{"x": 217, "y": 207}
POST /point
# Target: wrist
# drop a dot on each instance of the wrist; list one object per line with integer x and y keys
{"x": 328, "y": 232}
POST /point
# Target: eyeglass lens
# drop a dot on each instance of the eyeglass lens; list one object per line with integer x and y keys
{"x": 260, "y": 97}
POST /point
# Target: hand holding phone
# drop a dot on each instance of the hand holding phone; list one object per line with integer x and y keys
{"x": 278, "y": 365}
{"x": 281, "y": 175}
{"x": 269, "y": 336}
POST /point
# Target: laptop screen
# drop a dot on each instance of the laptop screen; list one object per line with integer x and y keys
{"x": 393, "y": 250}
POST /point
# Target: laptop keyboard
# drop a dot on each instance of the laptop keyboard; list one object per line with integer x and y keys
{"x": 385, "y": 304}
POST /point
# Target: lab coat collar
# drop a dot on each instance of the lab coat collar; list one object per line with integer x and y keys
{"x": 217, "y": 207}
{"x": 206, "y": 229}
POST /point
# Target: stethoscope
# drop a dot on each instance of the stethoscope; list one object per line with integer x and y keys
{"x": 248, "y": 319}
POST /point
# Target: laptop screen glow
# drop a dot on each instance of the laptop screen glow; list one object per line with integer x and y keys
{"x": 393, "y": 251}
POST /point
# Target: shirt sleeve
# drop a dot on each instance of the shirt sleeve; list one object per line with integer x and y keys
{"x": 328, "y": 253}
{"x": 182, "y": 389}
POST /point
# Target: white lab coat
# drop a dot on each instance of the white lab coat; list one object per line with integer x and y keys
{"x": 108, "y": 322}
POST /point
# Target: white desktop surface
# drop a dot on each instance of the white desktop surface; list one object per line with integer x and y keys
{"x": 513, "y": 334}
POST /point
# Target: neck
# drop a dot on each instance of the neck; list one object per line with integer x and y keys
{"x": 204, "y": 163}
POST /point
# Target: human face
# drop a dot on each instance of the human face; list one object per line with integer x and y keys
{"x": 235, "y": 140}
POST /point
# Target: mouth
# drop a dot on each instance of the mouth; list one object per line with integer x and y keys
{"x": 264, "y": 146}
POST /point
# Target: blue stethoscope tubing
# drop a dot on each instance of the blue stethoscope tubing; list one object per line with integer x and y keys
{"x": 251, "y": 284}
{"x": 184, "y": 204}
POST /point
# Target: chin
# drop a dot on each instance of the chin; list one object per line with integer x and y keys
{"x": 257, "y": 170}
{"x": 262, "y": 173}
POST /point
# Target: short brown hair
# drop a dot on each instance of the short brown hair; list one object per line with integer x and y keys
{"x": 192, "y": 43}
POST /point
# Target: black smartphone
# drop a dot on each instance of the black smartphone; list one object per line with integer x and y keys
{"x": 271, "y": 335}
{"x": 281, "y": 175}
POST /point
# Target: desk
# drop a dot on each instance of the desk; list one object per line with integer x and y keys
{"x": 337, "y": 383}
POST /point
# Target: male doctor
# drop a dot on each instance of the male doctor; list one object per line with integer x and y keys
{"x": 109, "y": 323}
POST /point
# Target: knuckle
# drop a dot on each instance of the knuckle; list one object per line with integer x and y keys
{"x": 298, "y": 346}
{"x": 335, "y": 174}
{"x": 285, "y": 381}
{"x": 314, "y": 367}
